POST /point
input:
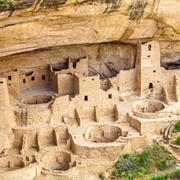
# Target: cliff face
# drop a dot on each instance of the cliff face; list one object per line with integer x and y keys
{"x": 27, "y": 25}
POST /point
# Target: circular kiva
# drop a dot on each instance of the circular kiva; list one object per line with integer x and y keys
{"x": 37, "y": 99}
{"x": 148, "y": 106}
{"x": 102, "y": 133}
{"x": 57, "y": 160}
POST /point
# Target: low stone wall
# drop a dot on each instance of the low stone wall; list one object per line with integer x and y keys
{"x": 155, "y": 115}
{"x": 111, "y": 151}
{"x": 28, "y": 173}
{"x": 31, "y": 117}
{"x": 149, "y": 127}
{"x": 102, "y": 133}
{"x": 35, "y": 137}
{"x": 134, "y": 123}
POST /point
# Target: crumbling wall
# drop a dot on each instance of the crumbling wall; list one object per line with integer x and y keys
{"x": 87, "y": 113}
{"x": 12, "y": 78}
{"x": 105, "y": 110}
{"x": 62, "y": 106}
{"x": 4, "y": 95}
{"x": 53, "y": 79}
{"x": 165, "y": 95}
{"x": 31, "y": 137}
{"x": 29, "y": 78}
{"x": 127, "y": 82}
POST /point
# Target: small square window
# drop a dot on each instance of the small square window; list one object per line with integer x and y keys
{"x": 43, "y": 77}
{"x": 9, "y": 78}
{"x": 110, "y": 96}
{"x": 154, "y": 71}
{"x": 1, "y": 82}
{"x": 32, "y": 78}
{"x": 149, "y": 47}
{"x": 24, "y": 81}
{"x": 85, "y": 98}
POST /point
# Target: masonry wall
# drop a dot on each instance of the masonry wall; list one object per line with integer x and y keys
{"x": 65, "y": 84}
{"x": 4, "y": 96}
{"x": 89, "y": 89}
{"x": 127, "y": 81}
{"x": 33, "y": 77}
{"x": 87, "y": 113}
{"x": 53, "y": 79}
{"x": 12, "y": 78}
{"x": 80, "y": 67}
{"x": 176, "y": 88}
{"x": 153, "y": 79}
{"x": 62, "y": 107}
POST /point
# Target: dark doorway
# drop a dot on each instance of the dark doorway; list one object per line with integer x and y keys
{"x": 74, "y": 65}
{"x": 150, "y": 85}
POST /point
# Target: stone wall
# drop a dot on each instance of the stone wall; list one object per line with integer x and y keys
{"x": 65, "y": 84}
{"x": 13, "y": 83}
{"x": 29, "y": 78}
{"x": 4, "y": 95}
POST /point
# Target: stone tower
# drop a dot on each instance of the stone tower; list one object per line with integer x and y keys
{"x": 148, "y": 68}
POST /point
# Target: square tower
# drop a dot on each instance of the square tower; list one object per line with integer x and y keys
{"x": 88, "y": 88}
{"x": 148, "y": 68}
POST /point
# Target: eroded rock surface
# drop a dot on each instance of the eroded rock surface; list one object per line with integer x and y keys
{"x": 28, "y": 25}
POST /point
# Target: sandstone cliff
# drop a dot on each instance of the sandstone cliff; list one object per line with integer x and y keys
{"x": 35, "y": 24}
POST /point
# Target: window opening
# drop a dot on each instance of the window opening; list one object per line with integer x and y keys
{"x": 43, "y": 77}
{"x": 150, "y": 85}
{"x": 110, "y": 96}
{"x": 149, "y": 47}
{"x": 74, "y": 65}
{"x": 86, "y": 98}
{"x": 9, "y": 78}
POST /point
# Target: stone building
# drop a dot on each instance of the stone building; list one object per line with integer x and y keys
{"x": 60, "y": 120}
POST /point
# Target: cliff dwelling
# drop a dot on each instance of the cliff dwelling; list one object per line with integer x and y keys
{"x": 60, "y": 117}
{"x": 82, "y": 83}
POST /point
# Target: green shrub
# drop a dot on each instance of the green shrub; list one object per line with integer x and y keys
{"x": 177, "y": 141}
{"x": 176, "y": 127}
{"x": 130, "y": 166}
{"x": 175, "y": 175}
{"x": 3, "y": 3}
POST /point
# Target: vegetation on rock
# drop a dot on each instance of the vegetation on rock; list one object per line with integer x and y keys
{"x": 3, "y": 3}
{"x": 177, "y": 141}
{"x": 175, "y": 175}
{"x": 135, "y": 166}
{"x": 176, "y": 127}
